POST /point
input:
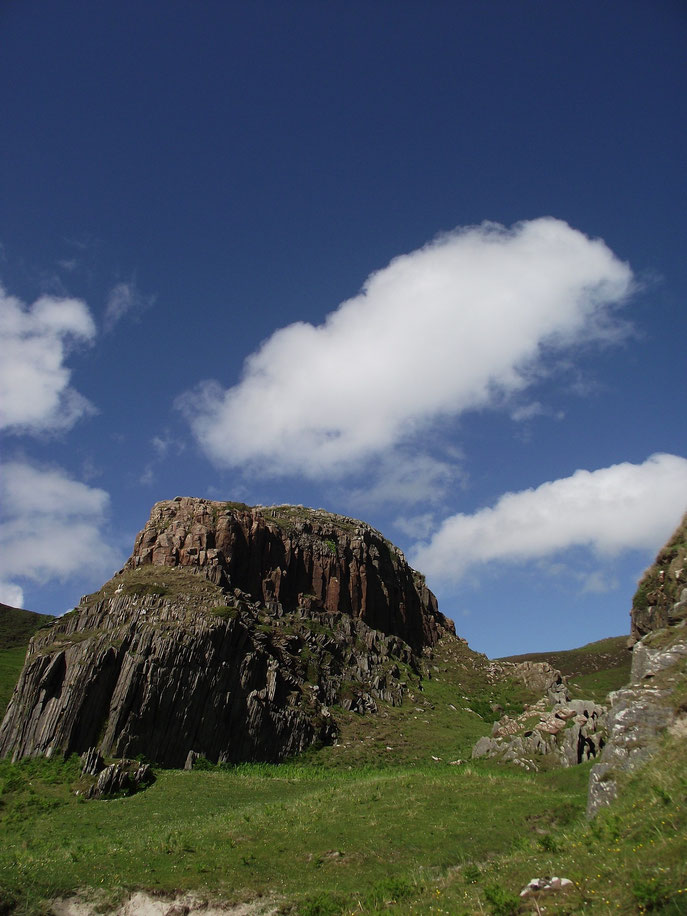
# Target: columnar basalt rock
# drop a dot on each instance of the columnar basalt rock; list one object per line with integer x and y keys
{"x": 227, "y": 634}
{"x": 295, "y": 556}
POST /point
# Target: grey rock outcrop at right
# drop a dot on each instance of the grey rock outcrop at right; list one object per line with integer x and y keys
{"x": 661, "y": 597}
{"x": 641, "y": 712}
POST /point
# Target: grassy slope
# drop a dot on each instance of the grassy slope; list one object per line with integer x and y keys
{"x": 361, "y": 828}
{"x": 350, "y": 826}
{"x": 16, "y": 628}
{"x": 443, "y": 719}
{"x": 592, "y": 670}
{"x": 453, "y": 840}
{"x": 283, "y": 831}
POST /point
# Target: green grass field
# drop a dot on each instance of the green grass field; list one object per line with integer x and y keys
{"x": 453, "y": 840}
{"x": 286, "y": 832}
{"x": 382, "y": 821}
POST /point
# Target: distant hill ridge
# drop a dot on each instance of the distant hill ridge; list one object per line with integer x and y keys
{"x": 601, "y": 655}
{"x": 17, "y": 626}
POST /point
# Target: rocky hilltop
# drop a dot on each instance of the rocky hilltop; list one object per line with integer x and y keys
{"x": 294, "y": 557}
{"x": 228, "y": 634}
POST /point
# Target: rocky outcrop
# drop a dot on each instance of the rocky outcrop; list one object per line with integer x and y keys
{"x": 293, "y": 556}
{"x": 661, "y": 597}
{"x": 651, "y": 703}
{"x": 555, "y": 729}
{"x": 228, "y": 634}
{"x": 541, "y": 677}
{"x": 122, "y": 778}
{"x": 641, "y": 713}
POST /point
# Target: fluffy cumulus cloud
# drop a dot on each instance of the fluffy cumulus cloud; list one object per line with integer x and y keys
{"x": 35, "y": 394}
{"x": 461, "y": 323}
{"x": 53, "y": 527}
{"x": 622, "y": 507}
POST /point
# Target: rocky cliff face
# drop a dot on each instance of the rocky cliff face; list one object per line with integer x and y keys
{"x": 653, "y": 701}
{"x": 660, "y": 599}
{"x": 641, "y": 713}
{"x": 293, "y": 556}
{"x": 229, "y": 633}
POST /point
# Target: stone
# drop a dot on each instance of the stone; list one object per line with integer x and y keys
{"x": 191, "y": 759}
{"x": 288, "y": 554}
{"x": 568, "y": 732}
{"x": 91, "y": 762}
{"x": 537, "y": 885}
{"x": 124, "y": 777}
{"x": 661, "y": 597}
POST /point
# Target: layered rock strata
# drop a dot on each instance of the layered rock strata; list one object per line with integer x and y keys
{"x": 228, "y": 635}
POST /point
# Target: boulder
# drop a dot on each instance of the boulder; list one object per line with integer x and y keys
{"x": 122, "y": 778}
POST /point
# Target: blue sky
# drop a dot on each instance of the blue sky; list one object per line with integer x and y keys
{"x": 421, "y": 264}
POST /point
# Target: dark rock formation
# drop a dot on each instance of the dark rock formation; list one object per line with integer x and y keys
{"x": 661, "y": 597}
{"x": 122, "y": 778}
{"x": 91, "y": 762}
{"x": 227, "y": 634}
{"x": 294, "y": 556}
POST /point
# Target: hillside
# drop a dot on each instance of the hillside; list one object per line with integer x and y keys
{"x": 593, "y": 670}
{"x": 229, "y": 634}
{"x": 355, "y": 827}
{"x": 17, "y": 626}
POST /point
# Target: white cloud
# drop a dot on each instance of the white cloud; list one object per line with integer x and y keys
{"x": 124, "y": 298}
{"x": 163, "y": 446}
{"x": 35, "y": 395}
{"x": 416, "y": 526}
{"x": 54, "y": 526}
{"x": 11, "y": 594}
{"x": 405, "y": 478}
{"x": 461, "y": 323}
{"x": 598, "y": 582}
{"x": 528, "y": 411}
{"x": 622, "y": 507}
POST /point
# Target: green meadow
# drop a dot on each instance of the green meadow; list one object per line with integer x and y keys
{"x": 393, "y": 818}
